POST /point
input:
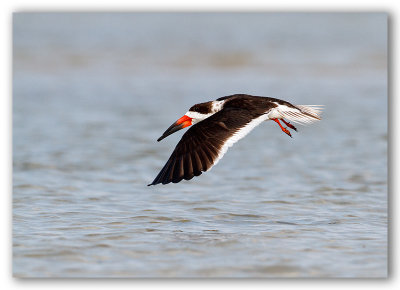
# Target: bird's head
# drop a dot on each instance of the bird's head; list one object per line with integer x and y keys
{"x": 196, "y": 114}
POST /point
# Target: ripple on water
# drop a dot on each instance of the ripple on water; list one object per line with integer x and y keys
{"x": 275, "y": 207}
{"x": 206, "y": 208}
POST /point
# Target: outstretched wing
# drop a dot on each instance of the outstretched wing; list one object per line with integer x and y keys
{"x": 204, "y": 144}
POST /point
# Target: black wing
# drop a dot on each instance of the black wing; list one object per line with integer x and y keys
{"x": 200, "y": 147}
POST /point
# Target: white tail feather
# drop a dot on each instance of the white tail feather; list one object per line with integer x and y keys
{"x": 302, "y": 114}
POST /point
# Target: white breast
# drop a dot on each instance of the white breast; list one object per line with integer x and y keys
{"x": 197, "y": 117}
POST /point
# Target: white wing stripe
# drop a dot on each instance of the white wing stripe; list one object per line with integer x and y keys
{"x": 302, "y": 114}
{"x": 239, "y": 134}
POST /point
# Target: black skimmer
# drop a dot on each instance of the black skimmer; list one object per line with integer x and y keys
{"x": 218, "y": 124}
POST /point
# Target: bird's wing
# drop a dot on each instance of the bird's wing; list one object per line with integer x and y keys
{"x": 303, "y": 114}
{"x": 204, "y": 144}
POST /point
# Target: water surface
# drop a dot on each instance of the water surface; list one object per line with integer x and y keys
{"x": 92, "y": 92}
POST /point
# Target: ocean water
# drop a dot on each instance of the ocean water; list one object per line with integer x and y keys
{"x": 92, "y": 92}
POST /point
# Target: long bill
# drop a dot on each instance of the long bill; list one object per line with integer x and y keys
{"x": 181, "y": 123}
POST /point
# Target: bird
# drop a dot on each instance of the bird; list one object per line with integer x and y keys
{"x": 217, "y": 125}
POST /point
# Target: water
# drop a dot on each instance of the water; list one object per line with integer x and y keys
{"x": 92, "y": 93}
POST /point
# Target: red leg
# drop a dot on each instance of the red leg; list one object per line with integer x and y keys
{"x": 283, "y": 129}
{"x": 289, "y": 125}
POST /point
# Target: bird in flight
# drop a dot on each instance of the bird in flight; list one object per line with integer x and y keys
{"x": 217, "y": 125}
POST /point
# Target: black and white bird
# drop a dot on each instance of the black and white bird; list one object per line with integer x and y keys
{"x": 217, "y": 125}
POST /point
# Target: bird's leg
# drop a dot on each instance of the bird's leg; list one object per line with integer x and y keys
{"x": 283, "y": 129}
{"x": 289, "y": 125}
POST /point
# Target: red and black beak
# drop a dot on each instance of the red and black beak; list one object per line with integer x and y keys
{"x": 183, "y": 122}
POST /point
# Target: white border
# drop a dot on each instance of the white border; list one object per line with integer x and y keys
{"x": 8, "y": 7}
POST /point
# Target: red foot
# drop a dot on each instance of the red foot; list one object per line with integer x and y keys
{"x": 283, "y": 129}
{"x": 289, "y": 125}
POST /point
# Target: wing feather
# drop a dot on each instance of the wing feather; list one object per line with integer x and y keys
{"x": 204, "y": 144}
{"x": 170, "y": 172}
{"x": 178, "y": 170}
{"x": 188, "y": 167}
{"x": 197, "y": 165}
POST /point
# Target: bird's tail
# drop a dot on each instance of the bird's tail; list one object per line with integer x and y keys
{"x": 305, "y": 114}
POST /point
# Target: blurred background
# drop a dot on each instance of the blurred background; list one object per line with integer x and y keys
{"x": 92, "y": 92}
